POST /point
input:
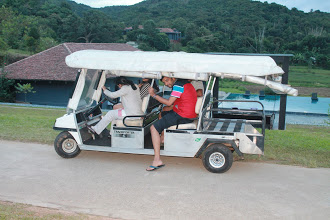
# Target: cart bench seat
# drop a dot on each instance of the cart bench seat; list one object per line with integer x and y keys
{"x": 192, "y": 125}
{"x": 133, "y": 122}
{"x": 129, "y": 122}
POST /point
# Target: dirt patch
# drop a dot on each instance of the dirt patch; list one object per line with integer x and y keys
{"x": 10, "y": 210}
{"x": 302, "y": 91}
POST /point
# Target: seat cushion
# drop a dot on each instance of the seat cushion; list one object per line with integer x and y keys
{"x": 192, "y": 125}
{"x": 133, "y": 122}
{"x": 129, "y": 122}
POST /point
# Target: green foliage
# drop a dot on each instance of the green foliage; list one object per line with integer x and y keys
{"x": 97, "y": 27}
{"x": 149, "y": 38}
{"x": 32, "y": 39}
{"x": 3, "y": 44}
{"x": 25, "y": 89}
{"x": 149, "y": 27}
{"x": 175, "y": 46}
{"x": 146, "y": 47}
{"x": 161, "y": 42}
{"x": 6, "y": 93}
{"x": 236, "y": 26}
{"x": 32, "y": 24}
{"x": 46, "y": 42}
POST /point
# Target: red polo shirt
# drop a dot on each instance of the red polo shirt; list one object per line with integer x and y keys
{"x": 186, "y": 100}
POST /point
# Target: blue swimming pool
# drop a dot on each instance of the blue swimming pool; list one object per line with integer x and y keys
{"x": 272, "y": 103}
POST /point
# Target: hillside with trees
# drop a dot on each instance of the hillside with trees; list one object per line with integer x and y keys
{"x": 236, "y": 26}
{"x": 36, "y": 25}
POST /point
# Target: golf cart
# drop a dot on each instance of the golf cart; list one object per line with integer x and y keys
{"x": 214, "y": 139}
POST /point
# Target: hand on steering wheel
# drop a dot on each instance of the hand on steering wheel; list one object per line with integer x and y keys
{"x": 108, "y": 98}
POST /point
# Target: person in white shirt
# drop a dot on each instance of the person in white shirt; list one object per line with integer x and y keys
{"x": 144, "y": 86}
{"x": 130, "y": 100}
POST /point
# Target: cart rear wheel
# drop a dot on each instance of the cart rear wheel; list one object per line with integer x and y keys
{"x": 217, "y": 158}
{"x": 66, "y": 146}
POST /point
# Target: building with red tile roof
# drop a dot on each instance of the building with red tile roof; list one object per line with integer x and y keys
{"x": 50, "y": 64}
{"x": 173, "y": 34}
{"x": 47, "y": 72}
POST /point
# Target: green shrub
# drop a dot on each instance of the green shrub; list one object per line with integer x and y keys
{"x": 6, "y": 85}
{"x": 25, "y": 89}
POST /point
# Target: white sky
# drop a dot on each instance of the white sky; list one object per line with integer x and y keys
{"x": 303, "y": 5}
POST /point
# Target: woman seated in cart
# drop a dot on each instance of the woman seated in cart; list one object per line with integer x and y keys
{"x": 131, "y": 104}
{"x": 143, "y": 87}
{"x": 183, "y": 98}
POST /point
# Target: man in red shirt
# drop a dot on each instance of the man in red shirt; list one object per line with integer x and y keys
{"x": 183, "y": 98}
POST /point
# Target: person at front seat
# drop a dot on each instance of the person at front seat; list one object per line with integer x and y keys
{"x": 183, "y": 98}
{"x": 131, "y": 104}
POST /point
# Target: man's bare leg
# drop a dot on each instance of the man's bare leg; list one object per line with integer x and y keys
{"x": 156, "y": 144}
{"x": 162, "y": 138}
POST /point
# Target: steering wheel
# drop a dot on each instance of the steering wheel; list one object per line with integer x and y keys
{"x": 106, "y": 98}
{"x": 110, "y": 100}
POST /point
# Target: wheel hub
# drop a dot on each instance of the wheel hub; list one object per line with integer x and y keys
{"x": 217, "y": 160}
{"x": 69, "y": 145}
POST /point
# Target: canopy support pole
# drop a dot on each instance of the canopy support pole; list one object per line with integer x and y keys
{"x": 216, "y": 91}
{"x": 285, "y": 80}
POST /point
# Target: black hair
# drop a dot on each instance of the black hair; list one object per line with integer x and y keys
{"x": 124, "y": 81}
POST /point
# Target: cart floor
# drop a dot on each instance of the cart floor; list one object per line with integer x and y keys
{"x": 224, "y": 125}
{"x": 103, "y": 140}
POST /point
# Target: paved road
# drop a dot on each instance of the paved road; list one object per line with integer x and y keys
{"x": 117, "y": 185}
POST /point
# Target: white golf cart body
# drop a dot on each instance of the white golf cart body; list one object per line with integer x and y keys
{"x": 212, "y": 138}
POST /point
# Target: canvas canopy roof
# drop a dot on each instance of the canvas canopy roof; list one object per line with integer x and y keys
{"x": 181, "y": 65}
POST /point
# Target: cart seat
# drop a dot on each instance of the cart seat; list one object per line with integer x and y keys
{"x": 192, "y": 125}
{"x": 130, "y": 121}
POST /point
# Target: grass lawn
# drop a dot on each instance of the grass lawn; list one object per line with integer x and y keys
{"x": 298, "y": 145}
{"x": 302, "y": 145}
{"x": 302, "y": 76}
{"x": 10, "y": 210}
{"x": 299, "y": 76}
{"x": 28, "y": 124}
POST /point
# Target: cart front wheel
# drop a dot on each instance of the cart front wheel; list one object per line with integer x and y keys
{"x": 217, "y": 158}
{"x": 66, "y": 146}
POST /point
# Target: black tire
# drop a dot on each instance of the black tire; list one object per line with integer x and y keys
{"x": 66, "y": 146}
{"x": 217, "y": 158}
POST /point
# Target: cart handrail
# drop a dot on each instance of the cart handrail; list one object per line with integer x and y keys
{"x": 211, "y": 110}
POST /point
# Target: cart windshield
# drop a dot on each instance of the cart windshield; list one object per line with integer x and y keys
{"x": 91, "y": 82}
